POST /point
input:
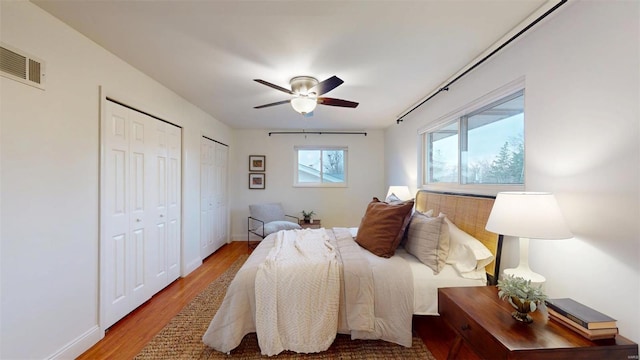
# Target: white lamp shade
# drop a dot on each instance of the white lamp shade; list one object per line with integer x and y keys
{"x": 303, "y": 104}
{"x": 534, "y": 215}
{"x": 402, "y": 192}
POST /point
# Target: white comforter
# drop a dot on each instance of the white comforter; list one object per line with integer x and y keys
{"x": 375, "y": 302}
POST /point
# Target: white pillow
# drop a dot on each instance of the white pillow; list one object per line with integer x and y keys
{"x": 276, "y": 226}
{"x": 467, "y": 254}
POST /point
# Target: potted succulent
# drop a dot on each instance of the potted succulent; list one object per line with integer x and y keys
{"x": 522, "y": 295}
{"x": 307, "y": 216}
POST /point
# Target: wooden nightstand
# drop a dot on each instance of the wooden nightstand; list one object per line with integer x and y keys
{"x": 315, "y": 224}
{"x": 484, "y": 322}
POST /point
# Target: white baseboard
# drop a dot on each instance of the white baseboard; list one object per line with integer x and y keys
{"x": 188, "y": 268}
{"x": 79, "y": 345}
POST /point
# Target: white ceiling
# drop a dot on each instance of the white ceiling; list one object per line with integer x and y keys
{"x": 390, "y": 54}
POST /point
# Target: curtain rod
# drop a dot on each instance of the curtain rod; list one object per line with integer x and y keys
{"x": 507, "y": 42}
{"x": 318, "y": 132}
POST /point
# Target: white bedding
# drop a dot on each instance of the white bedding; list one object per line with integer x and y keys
{"x": 426, "y": 283}
{"x": 386, "y": 316}
{"x": 378, "y": 296}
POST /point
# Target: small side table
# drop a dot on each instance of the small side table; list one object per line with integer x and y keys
{"x": 315, "y": 224}
{"x": 484, "y": 323}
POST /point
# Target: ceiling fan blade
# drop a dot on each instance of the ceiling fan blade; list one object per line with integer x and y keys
{"x": 327, "y": 85}
{"x": 274, "y": 86}
{"x": 337, "y": 102}
{"x": 272, "y": 104}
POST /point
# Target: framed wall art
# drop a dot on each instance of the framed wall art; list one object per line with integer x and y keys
{"x": 256, "y": 181}
{"x": 257, "y": 163}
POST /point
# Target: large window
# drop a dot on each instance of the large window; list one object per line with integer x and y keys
{"x": 483, "y": 147}
{"x": 321, "y": 166}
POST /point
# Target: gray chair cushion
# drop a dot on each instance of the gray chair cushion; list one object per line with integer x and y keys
{"x": 278, "y": 225}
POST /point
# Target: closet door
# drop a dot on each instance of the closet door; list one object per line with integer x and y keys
{"x": 163, "y": 252}
{"x": 157, "y": 250}
{"x": 214, "y": 208}
{"x": 125, "y": 210}
{"x": 207, "y": 185}
{"x": 115, "y": 214}
{"x": 140, "y": 211}
{"x": 140, "y": 184}
{"x": 220, "y": 196}
{"x": 174, "y": 201}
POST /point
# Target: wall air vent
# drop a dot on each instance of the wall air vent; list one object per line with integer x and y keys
{"x": 20, "y": 66}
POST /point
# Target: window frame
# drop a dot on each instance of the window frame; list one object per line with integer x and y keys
{"x": 321, "y": 148}
{"x": 504, "y": 93}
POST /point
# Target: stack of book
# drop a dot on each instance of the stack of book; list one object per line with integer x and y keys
{"x": 582, "y": 319}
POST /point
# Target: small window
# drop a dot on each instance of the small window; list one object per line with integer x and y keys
{"x": 320, "y": 167}
{"x": 483, "y": 147}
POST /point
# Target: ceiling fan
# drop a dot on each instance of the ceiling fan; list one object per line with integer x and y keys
{"x": 307, "y": 91}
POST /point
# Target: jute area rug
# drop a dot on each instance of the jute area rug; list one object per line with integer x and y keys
{"x": 182, "y": 337}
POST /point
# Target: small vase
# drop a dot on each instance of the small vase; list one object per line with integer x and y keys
{"x": 307, "y": 220}
{"x": 523, "y": 308}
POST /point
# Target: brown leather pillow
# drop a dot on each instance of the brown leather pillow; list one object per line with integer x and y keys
{"x": 383, "y": 226}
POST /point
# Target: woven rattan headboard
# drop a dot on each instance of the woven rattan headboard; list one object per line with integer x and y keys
{"x": 470, "y": 213}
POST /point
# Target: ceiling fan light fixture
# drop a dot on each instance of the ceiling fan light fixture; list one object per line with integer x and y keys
{"x": 303, "y": 104}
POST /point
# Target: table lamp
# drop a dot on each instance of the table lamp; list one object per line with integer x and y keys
{"x": 401, "y": 192}
{"x": 534, "y": 215}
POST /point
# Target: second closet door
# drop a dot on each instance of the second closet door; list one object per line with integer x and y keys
{"x": 213, "y": 196}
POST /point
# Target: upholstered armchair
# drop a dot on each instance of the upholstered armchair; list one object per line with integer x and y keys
{"x": 265, "y": 219}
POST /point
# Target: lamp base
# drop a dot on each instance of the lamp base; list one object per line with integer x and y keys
{"x": 527, "y": 274}
{"x": 523, "y": 270}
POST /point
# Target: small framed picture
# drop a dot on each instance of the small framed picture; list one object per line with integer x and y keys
{"x": 257, "y": 163}
{"x": 256, "y": 181}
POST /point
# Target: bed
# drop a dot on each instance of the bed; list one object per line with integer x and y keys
{"x": 349, "y": 289}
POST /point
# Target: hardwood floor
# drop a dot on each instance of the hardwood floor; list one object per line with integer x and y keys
{"x": 127, "y": 337}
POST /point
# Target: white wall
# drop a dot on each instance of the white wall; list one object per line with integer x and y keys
{"x": 334, "y": 206}
{"x": 50, "y": 163}
{"x": 582, "y": 138}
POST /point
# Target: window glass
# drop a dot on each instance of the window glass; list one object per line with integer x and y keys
{"x": 320, "y": 166}
{"x": 333, "y": 165}
{"x": 485, "y": 146}
{"x": 309, "y": 166}
{"x": 495, "y": 145}
{"x": 443, "y": 154}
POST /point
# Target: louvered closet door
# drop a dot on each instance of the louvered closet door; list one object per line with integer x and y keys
{"x": 140, "y": 215}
